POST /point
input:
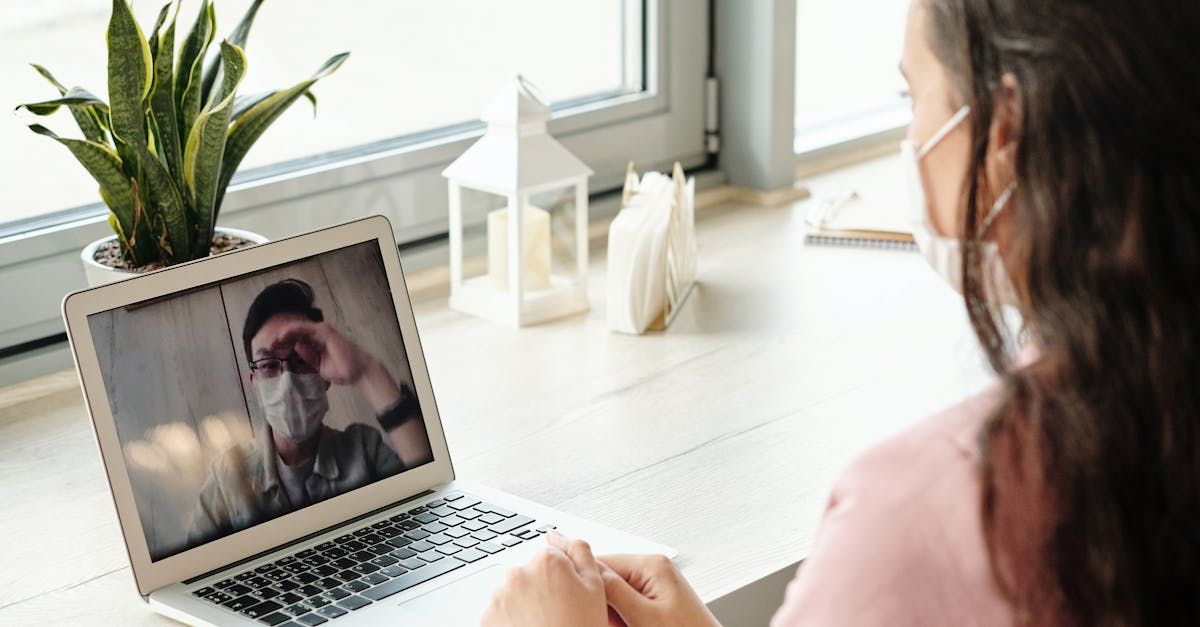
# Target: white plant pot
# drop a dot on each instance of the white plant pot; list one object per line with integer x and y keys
{"x": 99, "y": 274}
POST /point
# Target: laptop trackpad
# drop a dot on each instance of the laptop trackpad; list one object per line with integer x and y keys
{"x": 461, "y": 602}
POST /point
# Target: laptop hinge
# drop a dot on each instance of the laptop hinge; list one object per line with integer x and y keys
{"x": 308, "y": 537}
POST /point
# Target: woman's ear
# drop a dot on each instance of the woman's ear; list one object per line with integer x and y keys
{"x": 1004, "y": 134}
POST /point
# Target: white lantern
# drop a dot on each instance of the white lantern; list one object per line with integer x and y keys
{"x": 516, "y": 159}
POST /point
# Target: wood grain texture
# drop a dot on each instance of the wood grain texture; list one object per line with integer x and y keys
{"x": 169, "y": 373}
{"x": 721, "y": 436}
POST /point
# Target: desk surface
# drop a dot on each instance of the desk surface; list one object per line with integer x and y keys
{"x": 721, "y": 436}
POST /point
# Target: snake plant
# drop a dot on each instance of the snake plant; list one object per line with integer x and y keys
{"x": 175, "y": 129}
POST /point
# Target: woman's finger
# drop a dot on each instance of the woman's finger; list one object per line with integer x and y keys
{"x": 622, "y": 598}
{"x": 579, "y": 552}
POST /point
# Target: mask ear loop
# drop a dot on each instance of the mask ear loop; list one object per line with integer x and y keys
{"x": 997, "y": 207}
{"x": 954, "y": 121}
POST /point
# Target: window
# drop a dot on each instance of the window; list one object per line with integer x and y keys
{"x": 402, "y": 107}
{"x": 861, "y": 93}
{"x": 415, "y": 66}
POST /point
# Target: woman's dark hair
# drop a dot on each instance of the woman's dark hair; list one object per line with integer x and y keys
{"x": 1091, "y": 471}
{"x": 287, "y": 296}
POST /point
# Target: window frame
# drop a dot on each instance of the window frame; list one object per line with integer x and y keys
{"x": 400, "y": 178}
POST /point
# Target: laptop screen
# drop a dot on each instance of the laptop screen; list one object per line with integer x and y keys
{"x": 244, "y": 400}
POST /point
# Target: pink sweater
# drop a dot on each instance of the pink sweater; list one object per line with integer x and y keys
{"x": 901, "y": 541}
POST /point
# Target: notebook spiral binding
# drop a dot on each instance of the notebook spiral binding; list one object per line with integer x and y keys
{"x": 859, "y": 242}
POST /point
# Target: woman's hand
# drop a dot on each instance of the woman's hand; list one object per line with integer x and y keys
{"x": 650, "y": 590}
{"x": 560, "y": 586}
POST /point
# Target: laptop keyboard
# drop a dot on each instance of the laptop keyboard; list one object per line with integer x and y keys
{"x": 334, "y": 578}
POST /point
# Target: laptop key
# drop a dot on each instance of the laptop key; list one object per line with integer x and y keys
{"x": 306, "y": 577}
{"x": 438, "y": 539}
{"x": 412, "y": 563}
{"x": 464, "y": 503}
{"x": 332, "y": 611}
{"x": 469, "y": 514}
{"x": 443, "y": 511}
{"x": 403, "y": 554}
{"x": 337, "y": 593}
{"x": 262, "y": 609}
{"x": 359, "y": 533}
{"x": 240, "y": 603}
{"x": 448, "y": 549}
{"x": 265, "y": 568}
{"x": 420, "y": 509}
{"x": 380, "y": 525}
{"x": 490, "y": 547}
{"x": 394, "y": 571}
{"x": 499, "y": 511}
{"x": 399, "y": 541}
{"x": 474, "y": 525}
{"x": 274, "y": 618}
{"x": 491, "y": 518}
{"x": 469, "y": 555}
{"x": 527, "y": 534}
{"x": 237, "y": 590}
{"x": 203, "y": 592}
{"x": 382, "y": 548}
{"x": 312, "y": 619}
{"x": 258, "y": 582}
{"x": 267, "y": 593}
{"x": 325, "y": 570}
{"x": 409, "y": 525}
{"x": 483, "y": 534}
{"x": 354, "y": 603}
{"x": 316, "y": 601}
{"x": 383, "y": 560}
{"x": 375, "y": 578}
{"x": 452, "y": 521}
{"x": 218, "y": 597}
{"x": 342, "y": 539}
{"x": 297, "y": 609}
{"x": 354, "y": 545}
{"x": 408, "y": 580}
{"x": 225, "y": 583}
{"x": 334, "y": 553}
{"x": 362, "y": 556}
{"x": 329, "y": 582}
{"x": 348, "y": 575}
{"x": 516, "y": 522}
{"x": 452, "y": 496}
{"x": 435, "y": 527}
{"x": 343, "y": 563}
{"x": 365, "y": 568}
{"x": 371, "y": 538}
{"x": 288, "y": 585}
{"x": 431, "y": 556}
{"x": 456, "y": 532}
{"x": 417, "y": 534}
{"x": 325, "y": 546}
{"x": 277, "y": 574}
{"x": 510, "y": 541}
{"x": 289, "y": 598}
{"x": 308, "y": 590}
{"x": 466, "y": 543}
{"x": 421, "y": 546}
{"x": 356, "y": 586}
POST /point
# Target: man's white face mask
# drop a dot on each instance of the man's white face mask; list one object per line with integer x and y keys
{"x": 944, "y": 253}
{"x": 295, "y": 404}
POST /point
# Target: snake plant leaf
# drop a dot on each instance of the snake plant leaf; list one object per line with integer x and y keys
{"x": 244, "y": 103}
{"x": 190, "y": 67}
{"x": 104, "y": 165}
{"x": 254, "y": 121}
{"x": 73, "y": 96}
{"x": 130, "y": 73}
{"x": 158, "y": 23}
{"x": 165, "y": 208}
{"x": 206, "y": 145}
{"x": 239, "y": 36}
{"x": 90, "y": 121}
{"x": 162, "y": 99}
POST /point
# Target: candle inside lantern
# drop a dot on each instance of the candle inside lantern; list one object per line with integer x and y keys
{"x": 535, "y": 240}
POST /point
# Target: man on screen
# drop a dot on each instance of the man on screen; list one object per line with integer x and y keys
{"x": 295, "y": 459}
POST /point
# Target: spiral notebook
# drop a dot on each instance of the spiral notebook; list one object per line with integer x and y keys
{"x": 853, "y": 219}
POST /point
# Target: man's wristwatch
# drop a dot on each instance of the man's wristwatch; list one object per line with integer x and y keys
{"x": 403, "y": 410}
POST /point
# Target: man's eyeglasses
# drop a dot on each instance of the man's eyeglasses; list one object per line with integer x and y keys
{"x": 271, "y": 367}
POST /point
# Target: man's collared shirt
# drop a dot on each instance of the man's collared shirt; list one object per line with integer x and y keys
{"x": 243, "y": 487}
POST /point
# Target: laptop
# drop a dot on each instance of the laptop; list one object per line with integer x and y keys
{"x": 275, "y": 454}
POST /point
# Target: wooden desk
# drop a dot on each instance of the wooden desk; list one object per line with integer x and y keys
{"x": 720, "y": 437}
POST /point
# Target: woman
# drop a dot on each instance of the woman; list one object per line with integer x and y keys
{"x": 1055, "y": 142}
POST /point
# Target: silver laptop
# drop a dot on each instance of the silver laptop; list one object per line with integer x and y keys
{"x": 269, "y": 432}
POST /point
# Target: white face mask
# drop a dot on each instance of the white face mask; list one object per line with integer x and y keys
{"x": 944, "y": 253}
{"x": 295, "y": 404}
